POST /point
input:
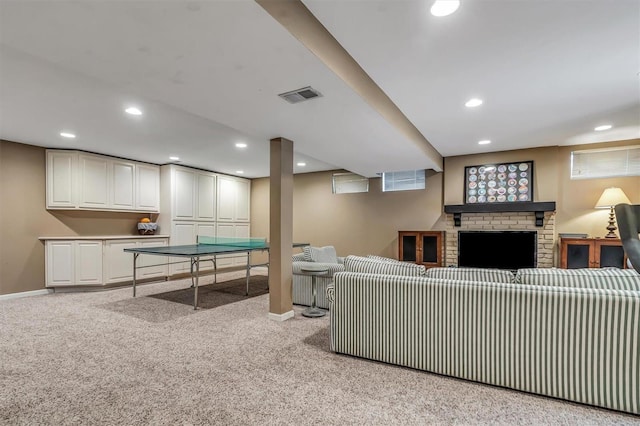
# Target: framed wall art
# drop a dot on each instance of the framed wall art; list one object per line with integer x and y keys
{"x": 499, "y": 183}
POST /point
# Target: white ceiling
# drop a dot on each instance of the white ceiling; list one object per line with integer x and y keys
{"x": 206, "y": 74}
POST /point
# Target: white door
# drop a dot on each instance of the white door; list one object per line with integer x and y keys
{"x": 161, "y": 268}
{"x": 183, "y": 194}
{"x": 147, "y": 187}
{"x": 60, "y": 263}
{"x": 206, "y": 199}
{"x": 61, "y": 179}
{"x": 205, "y": 230}
{"x": 93, "y": 181}
{"x": 183, "y": 233}
{"x": 226, "y": 199}
{"x": 122, "y": 188}
{"x": 88, "y": 262}
{"x": 118, "y": 265}
{"x": 241, "y": 230}
{"x": 243, "y": 197}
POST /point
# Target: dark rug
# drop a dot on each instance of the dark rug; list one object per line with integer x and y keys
{"x": 219, "y": 294}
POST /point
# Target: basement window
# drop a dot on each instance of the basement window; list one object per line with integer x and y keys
{"x": 603, "y": 163}
{"x": 403, "y": 181}
{"x": 349, "y": 183}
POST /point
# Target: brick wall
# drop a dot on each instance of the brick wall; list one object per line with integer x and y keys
{"x": 517, "y": 221}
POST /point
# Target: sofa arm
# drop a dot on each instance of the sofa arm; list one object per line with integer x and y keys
{"x": 333, "y": 267}
{"x": 331, "y": 293}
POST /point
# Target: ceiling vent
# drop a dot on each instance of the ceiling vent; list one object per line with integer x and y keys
{"x": 300, "y": 95}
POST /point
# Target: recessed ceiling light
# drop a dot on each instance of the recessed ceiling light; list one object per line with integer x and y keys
{"x": 173, "y": 158}
{"x": 444, "y": 7}
{"x": 239, "y": 172}
{"x": 473, "y": 102}
{"x": 241, "y": 145}
{"x": 301, "y": 164}
{"x": 484, "y": 142}
{"x": 133, "y": 111}
{"x": 67, "y": 135}
{"x": 603, "y": 127}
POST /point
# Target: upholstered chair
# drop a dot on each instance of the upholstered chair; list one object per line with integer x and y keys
{"x": 628, "y": 218}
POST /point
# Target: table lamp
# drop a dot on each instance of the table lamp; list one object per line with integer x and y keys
{"x": 608, "y": 200}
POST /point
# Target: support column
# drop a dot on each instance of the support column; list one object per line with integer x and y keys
{"x": 281, "y": 229}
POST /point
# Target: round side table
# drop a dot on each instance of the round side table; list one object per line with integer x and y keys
{"x": 314, "y": 271}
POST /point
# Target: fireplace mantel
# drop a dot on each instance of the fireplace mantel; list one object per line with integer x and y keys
{"x": 538, "y": 208}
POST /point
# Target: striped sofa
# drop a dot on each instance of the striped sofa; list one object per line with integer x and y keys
{"x": 579, "y": 344}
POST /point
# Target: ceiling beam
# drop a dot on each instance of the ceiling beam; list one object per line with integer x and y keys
{"x": 294, "y": 16}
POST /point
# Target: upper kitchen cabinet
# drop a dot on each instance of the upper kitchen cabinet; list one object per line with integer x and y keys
{"x": 233, "y": 199}
{"x": 79, "y": 180}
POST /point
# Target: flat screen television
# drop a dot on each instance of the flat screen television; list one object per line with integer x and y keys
{"x": 498, "y": 249}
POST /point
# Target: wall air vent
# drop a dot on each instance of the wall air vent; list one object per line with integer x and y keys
{"x": 300, "y": 95}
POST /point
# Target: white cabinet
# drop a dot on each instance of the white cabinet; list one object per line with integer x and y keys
{"x": 93, "y": 181}
{"x": 232, "y": 230}
{"x": 73, "y": 263}
{"x": 61, "y": 179}
{"x": 122, "y": 191}
{"x": 233, "y": 199}
{"x": 193, "y": 194}
{"x": 147, "y": 185}
{"x": 184, "y": 233}
{"x": 118, "y": 265}
{"x": 78, "y": 180}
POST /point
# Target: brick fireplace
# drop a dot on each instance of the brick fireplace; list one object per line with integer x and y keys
{"x": 463, "y": 218}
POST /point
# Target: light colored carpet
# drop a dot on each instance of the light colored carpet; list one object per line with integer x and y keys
{"x": 107, "y": 358}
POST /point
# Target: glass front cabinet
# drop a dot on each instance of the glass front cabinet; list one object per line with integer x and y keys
{"x": 591, "y": 253}
{"x": 421, "y": 247}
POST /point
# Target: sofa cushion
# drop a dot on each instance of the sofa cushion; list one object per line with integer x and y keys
{"x": 298, "y": 257}
{"x": 600, "y": 278}
{"x": 472, "y": 274}
{"x": 364, "y": 264}
{"x": 325, "y": 254}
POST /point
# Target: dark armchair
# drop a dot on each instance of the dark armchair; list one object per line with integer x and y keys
{"x": 628, "y": 218}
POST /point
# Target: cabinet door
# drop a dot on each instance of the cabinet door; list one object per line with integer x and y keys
{"x": 118, "y": 265}
{"x": 147, "y": 187}
{"x": 61, "y": 179}
{"x": 183, "y": 233}
{"x": 226, "y": 199}
{"x": 205, "y": 230}
{"x": 609, "y": 253}
{"x": 93, "y": 181}
{"x": 243, "y": 197}
{"x": 431, "y": 249}
{"x": 183, "y": 194}
{"x": 206, "y": 199}
{"x": 408, "y": 246}
{"x": 241, "y": 230}
{"x": 88, "y": 262}
{"x": 576, "y": 253}
{"x": 122, "y": 188}
{"x": 226, "y": 230}
{"x": 60, "y": 263}
{"x": 160, "y": 266}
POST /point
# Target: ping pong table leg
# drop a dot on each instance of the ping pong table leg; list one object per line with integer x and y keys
{"x": 248, "y": 271}
{"x": 135, "y": 259}
{"x": 195, "y": 288}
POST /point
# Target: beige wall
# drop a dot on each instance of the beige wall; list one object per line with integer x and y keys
{"x": 368, "y": 222}
{"x": 353, "y": 223}
{"x": 24, "y": 218}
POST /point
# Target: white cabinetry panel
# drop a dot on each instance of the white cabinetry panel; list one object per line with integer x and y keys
{"x": 147, "y": 187}
{"x": 160, "y": 270}
{"x": 184, "y": 194}
{"x": 122, "y": 190}
{"x": 232, "y": 230}
{"x": 243, "y": 197}
{"x": 118, "y": 265}
{"x": 93, "y": 181}
{"x": 60, "y": 263}
{"x": 61, "y": 179}
{"x": 233, "y": 199}
{"x": 88, "y": 262}
{"x": 206, "y": 199}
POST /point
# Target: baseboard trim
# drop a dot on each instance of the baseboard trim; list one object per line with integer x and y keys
{"x": 25, "y": 294}
{"x": 281, "y": 317}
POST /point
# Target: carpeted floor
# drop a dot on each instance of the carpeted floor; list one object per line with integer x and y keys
{"x": 105, "y": 358}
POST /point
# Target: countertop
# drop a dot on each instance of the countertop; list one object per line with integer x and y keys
{"x": 104, "y": 237}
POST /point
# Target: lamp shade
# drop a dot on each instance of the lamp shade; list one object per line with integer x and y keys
{"x": 612, "y": 197}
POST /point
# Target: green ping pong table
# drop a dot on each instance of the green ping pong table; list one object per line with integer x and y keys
{"x": 207, "y": 249}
